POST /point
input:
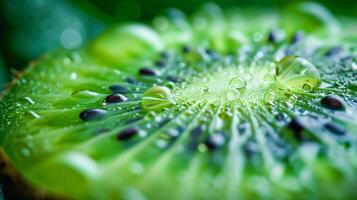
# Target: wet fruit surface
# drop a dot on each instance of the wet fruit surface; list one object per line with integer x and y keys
{"x": 226, "y": 114}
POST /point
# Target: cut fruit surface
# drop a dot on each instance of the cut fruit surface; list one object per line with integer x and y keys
{"x": 232, "y": 110}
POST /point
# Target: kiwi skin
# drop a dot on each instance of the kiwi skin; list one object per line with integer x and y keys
{"x": 13, "y": 185}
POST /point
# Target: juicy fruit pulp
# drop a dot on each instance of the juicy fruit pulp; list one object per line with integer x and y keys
{"x": 206, "y": 108}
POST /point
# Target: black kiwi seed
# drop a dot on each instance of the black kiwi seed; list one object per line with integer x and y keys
{"x": 280, "y": 117}
{"x": 194, "y": 137}
{"x": 132, "y": 81}
{"x": 148, "y": 72}
{"x": 212, "y": 54}
{"x": 242, "y": 128}
{"x": 92, "y": 114}
{"x": 127, "y": 133}
{"x": 288, "y": 51}
{"x": 297, "y": 37}
{"x": 174, "y": 79}
{"x": 115, "y": 98}
{"x": 334, "y": 51}
{"x": 119, "y": 89}
{"x": 197, "y": 131}
{"x": 335, "y": 129}
{"x": 273, "y": 37}
{"x": 332, "y": 102}
{"x": 214, "y": 141}
{"x": 165, "y": 54}
{"x": 160, "y": 63}
{"x": 297, "y": 127}
{"x": 186, "y": 49}
{"x": 251, "y": 148}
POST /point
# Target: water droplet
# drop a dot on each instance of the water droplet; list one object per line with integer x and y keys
{"x": 172, "y": 132}
{"x": 232, "y": 95}
{"x": 25, "y": 152}
{"x": 84, "y": 94}
{"x": 73, "y": 76}
{"x": 161, "y": 143}
{"x": 277, "y": 172}
{"x": 354, "y": 66}
{"x": 157, "y": 98}
{"x": 237, "y": 83}
{"x": 307, "y": 87}
{"x": 137, "y": 168}
{"x": 202, "y": 148}
{"x": 170, "y": 85}
{"x": 269, "y": 78}
{"x": 295, "y": 72}
{"x": 269, "y": 96}
{"x": 151, "y": 115}
{"x": 292, "y": 100}
{"x": 205, "y": 88}
{"x": 66, "y": 61}
{"x": 257, "y": 36}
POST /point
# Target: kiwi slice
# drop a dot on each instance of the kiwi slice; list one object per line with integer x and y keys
{"x": 234, "y": 104}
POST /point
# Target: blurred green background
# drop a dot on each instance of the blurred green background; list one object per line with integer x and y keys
{"x": 28, "y": 28}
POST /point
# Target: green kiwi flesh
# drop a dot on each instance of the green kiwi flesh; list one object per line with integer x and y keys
{"x": 235, "y": 104}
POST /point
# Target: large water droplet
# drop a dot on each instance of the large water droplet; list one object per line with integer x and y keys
{"x": 307, "y": 87}
{"x": 354, "y": 66}
{"x": 170, "y": 84}
{"x": 84, "y": 94}
{"x": 295, "y": 72}
{"x": 157, "y": 98}
{"x": 237, "y": 83}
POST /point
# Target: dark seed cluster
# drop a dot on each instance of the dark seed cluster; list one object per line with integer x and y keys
{"x": 172, "y": 68}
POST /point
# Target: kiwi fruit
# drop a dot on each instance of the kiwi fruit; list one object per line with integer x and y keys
{"x": 225, "y": 104}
